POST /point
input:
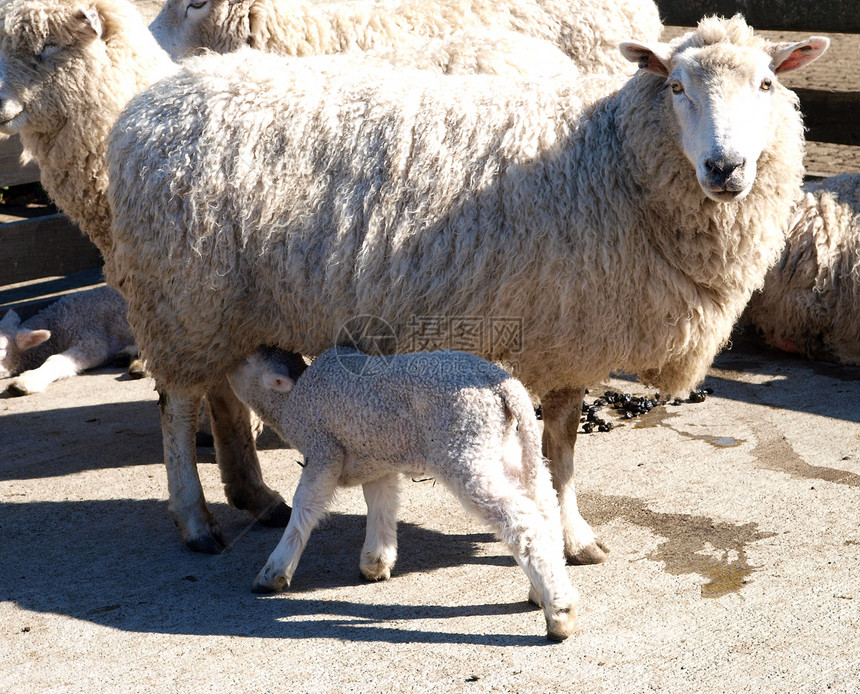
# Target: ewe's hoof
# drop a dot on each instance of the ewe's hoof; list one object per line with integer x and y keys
{"x": 273, "y": 585}
{"x": 208, "y": 544}
{"x": 595, "y": 553}
{"x": 276, "y": 516}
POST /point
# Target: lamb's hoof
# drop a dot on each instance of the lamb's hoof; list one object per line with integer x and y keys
{"x": 214, "y": 543}
{"x": 595, "y": 553}
{"x": 561, "y": 625}
{"x": 276, "y": 516}
{"x": 273, "y": 585}
{"x": 137, "y": 369}
{"x": 17, "y": 388}
{"x": 376, "y": 571}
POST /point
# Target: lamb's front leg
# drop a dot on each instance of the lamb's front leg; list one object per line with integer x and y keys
{"x": 198, "y": 526}
{"x": 317, "y": 485}
{"x": 561, "y": 412}
{"x": 380, "y": 545}
{"x": 56, "y": 367}
{"x": 237, "y": 458}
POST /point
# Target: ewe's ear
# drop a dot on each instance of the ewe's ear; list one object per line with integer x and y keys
{"x": 91, "y": 23}
{"x": 654, "y": 58}
{"x": 791, "y": 56}
{"x": 277, "y": 382}
{"x": 27, "y": 339}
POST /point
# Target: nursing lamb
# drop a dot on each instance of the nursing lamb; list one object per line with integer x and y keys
{"x": 452, "y": 416}
{"x": 259, "y": 200}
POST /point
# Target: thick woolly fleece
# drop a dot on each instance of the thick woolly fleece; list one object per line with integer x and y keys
{"x": 73, "y": 97}
{"x": 810, "y": 302}
{"x": 588, "y": 31}
{"x": 92, "y": 324}
{"x": 274, "y": 209}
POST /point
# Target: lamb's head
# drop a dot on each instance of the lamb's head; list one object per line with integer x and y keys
{"x": 722, "y": 81}
{"x": 14, "y": 341}
{"x": 52, "y": 52}
{"x": 264, "y": 380}
{"x": 184, "y": 26}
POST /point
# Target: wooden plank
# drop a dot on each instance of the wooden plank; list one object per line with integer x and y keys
{"x": 31, "y": 297}
{"x": 11, "y": 171}
{"x": 830, "y": 116}
{"x": 44, "y": 247}
{"x": 828, "y": 16}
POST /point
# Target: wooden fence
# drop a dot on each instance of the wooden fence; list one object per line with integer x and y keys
{"x": 51, "y": 246}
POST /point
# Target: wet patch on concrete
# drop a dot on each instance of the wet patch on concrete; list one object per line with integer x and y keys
{"x": 655, "y": 418}
{"x": 774, "y": 452}
{"x": 694, "y": 544}
{"x": 716, "y": 441}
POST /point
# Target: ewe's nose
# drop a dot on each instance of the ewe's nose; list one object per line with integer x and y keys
{"x": 720, "y": 169}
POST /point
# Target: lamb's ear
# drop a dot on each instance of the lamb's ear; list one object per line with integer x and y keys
{"x": 10, "y": 321}
{"x": 27, "y": 339}
{"x": 90, "y": 22}
{"x": 653, "y": 58}
{"x": 272, "y": 380}
{"x": 791, "y": 56}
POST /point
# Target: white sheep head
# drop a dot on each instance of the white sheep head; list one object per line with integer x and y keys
{"x": 14, "y": 341}
{"x": 265, "y": 379}
{"x": 48, "y": 53}
{"x": 722, "y": 80}
{"x": 183, "y": 26}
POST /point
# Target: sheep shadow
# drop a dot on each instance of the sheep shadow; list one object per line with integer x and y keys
{"x": 118, "y": 563}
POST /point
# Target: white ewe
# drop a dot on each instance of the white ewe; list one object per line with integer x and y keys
{"x": 67, "y": 68}
{"x": 588, "y": 31}
{"x": 78, "y": 332}
{"x": 291, "y": 196}
{"x": 810, "y": 303}
{"x": 448, "y": 415}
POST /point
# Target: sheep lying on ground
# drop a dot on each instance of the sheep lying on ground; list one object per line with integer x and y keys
{"x": 588, "y": 31}
{"x": 293, "y": 196}
{"x": 78, "y": 332}
{"x": 67, "y": 69}
{"x": 810, "y": 303}
{"x": 448, "y": 415}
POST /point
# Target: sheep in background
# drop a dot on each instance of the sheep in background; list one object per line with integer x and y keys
{"x": 80, "y": 331}
{"x": 588, "y": 31}
{"x": 452, "y": 416}
{"x": 810, "y": 303}
{"x": 292, "y": 196}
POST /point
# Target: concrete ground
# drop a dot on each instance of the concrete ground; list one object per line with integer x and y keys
{"x": 734, "y": 526}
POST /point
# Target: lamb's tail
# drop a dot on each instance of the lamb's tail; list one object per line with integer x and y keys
{"x": 519, "y": 404}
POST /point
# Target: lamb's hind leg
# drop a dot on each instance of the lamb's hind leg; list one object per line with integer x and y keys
{"x": 237, "y": 458}
{"x": 561, "y": 412}
{"x": 198, "y": 526}
{"x": 380, "y": 545}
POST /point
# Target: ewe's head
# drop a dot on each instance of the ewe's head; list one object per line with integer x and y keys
{"x": 722, "y": 82}
{"x": 14, "y": 341}
{"x": 184, "y": 26}
{"x": 50, "y": 53}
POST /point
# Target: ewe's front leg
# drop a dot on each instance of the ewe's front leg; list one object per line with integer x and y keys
{"x": 561, "y": 413}
{"x": 198, "y": 526}
{"x": 237, "y": 457}
{"x": 380, "y": 544}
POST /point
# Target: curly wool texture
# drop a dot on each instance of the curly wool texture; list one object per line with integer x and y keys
{"x": 588, "y": 31}
{"x": 811, "y": 299}
{"x": 73, "y": 98}
{"x": 253, "y": 210}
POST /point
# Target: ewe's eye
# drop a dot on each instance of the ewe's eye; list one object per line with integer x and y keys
{"x": 766, "y": 84}
{"x": 676, "y": 87}
{"x": 196, "y": 4}
{"x": 50, "y": 48}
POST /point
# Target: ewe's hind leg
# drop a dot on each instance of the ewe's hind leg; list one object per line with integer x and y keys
{"x": 561, "y": 412}
{"x": 535, "y": 543}
{"x": 198, "y": 526}
{"x": 237, "y": 457}
{"x": 317, "y": 485}
{"x": 380, "y": 545}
